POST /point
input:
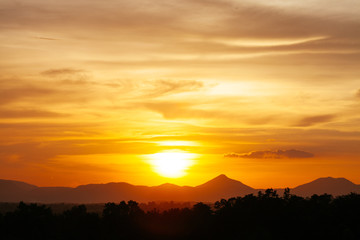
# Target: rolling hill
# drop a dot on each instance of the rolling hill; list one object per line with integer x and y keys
{"x": 213, "y": 190}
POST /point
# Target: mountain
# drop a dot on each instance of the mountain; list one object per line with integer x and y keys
{"x": 334, "y": 186}
{"x": 14, "y": 190}
{"x": 213, "y": 190}
{"x": 222, "y": 187}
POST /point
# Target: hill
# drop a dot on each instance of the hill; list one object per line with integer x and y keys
{"x": 213, "y": 190}
{"x": 329, "y": 185}
{"x": 11, "y": 191}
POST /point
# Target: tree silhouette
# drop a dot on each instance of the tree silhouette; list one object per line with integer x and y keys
{"x": 79, "y": 224}
{"x": 286, "y": 194}
{"x": 262, "y": 216}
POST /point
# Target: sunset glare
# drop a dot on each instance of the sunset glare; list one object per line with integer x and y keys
{"x": 155, "y": 91}
{"x": 172, "y": 164}
{"x": 180, "y": 119}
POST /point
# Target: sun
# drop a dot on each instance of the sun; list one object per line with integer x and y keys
{"x": 172, "y": 164}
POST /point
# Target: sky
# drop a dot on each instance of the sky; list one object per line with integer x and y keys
{"x": 266, "y": 92}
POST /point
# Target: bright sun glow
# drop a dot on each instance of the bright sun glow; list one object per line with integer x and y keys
{"x": 177, "y": 143}
{"x": 172, "y": 164}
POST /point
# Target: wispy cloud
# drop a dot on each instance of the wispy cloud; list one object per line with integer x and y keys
{"x": 358, "y": 93}
{"x": 29, "y": 113}
{"x": 45, "y": 151}
{"x": 313, "y": 120}
{"x": 46, "y": 38}
{"x": 243, "y": 42}
{"x": 15, "y": 93}
{"x": 164, "y": 87}
{"x": 61, "y": 72}
{"x": 271, "y": 154}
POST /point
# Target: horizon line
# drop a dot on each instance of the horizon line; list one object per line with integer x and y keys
{"x": 141, "y": 185}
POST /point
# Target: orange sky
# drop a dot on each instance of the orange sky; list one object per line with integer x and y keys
{"x": 266, "y": 92}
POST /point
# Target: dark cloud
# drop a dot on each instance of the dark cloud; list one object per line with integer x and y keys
{"x": 272, "y": 154}
{"x": 313, "y": 120}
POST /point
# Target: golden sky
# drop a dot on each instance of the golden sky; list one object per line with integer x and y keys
{"x": 266, "y": 92}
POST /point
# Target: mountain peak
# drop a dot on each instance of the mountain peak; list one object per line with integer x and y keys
{"x": 329, "y": 185}
{"x": 221, "y": 176}
{"x": 332, "y": 179}
{"x": 222, "y": 181}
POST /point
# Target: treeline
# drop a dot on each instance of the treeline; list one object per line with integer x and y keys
{"x": 263, "y": 216}
{"x": 59, "y": 208}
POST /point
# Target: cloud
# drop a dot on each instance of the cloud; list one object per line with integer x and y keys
{"x": 184, "y": 110}
{"x": 46, "y": 38}
{"x": 80, "y": 77}
{"x": 58, "y": 87}
{"x": 16, "y": 93}
{"x": 29, "y": 113}
{"x": 61, "y": 72}
{"x": 43, "y": 151}
{"x": 272, "y": 154}
{"x": 164, "y": 87}
{"x": 212, "y": 20}
{"x": 146, "y": 88}
{"x": 215, "y": 109}
{"x": 313, "y": 120}
{"x": 358, "y": 94}
{"x": 141, "y": 35}
{"x": 19, "y": 131}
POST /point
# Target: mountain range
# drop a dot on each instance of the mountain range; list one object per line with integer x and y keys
{"x": 213, "y": 190}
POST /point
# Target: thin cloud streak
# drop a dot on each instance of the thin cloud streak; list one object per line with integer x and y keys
{"x": 29, "y": 113}
{"x": 46, "y": 38}
{"x": 313, "y": 120}
{"x": 61, "y": 72}
{"x": 271, "y": 154}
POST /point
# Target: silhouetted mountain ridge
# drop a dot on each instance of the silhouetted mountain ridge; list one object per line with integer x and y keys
{"x": 210, "y": 191}
{"x": 10, "y": 189}
{"x": 330, "y": 185}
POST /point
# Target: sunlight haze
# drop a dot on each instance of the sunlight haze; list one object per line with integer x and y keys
{"x": 149, "y": 92}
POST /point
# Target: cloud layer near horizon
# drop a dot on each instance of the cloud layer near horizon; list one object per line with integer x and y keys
{"x": 292, "y": 153}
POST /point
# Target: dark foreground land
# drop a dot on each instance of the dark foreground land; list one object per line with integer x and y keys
{"x": 263, "y": 216}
